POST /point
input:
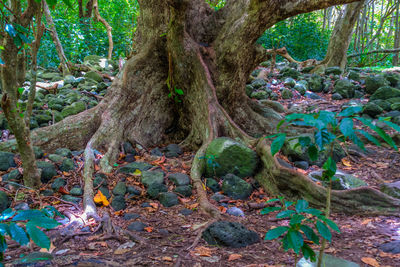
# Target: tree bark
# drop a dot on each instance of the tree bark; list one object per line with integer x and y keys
{"x": 397, "y": 35}
{"x": 56, "y": 40}
{"x": 106, "y": 25}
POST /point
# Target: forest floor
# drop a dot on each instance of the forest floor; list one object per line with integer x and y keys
{"x": 168, "y": 238}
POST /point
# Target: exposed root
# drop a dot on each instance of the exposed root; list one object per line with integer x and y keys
{"x": 88, "y": 204}
{"x": 279, "y": 180}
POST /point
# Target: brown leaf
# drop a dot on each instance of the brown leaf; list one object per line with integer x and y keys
{"x": 148, "y": 229}
{"x": 370, "y": 261}
{"x": 203, "y": 251}
{"x": 101, "y": 199}
{"x": 63, "y": 191}
{"x": 233, "y": 257}
{"x": 167, "y": 258}
{"x": 346, "y": 162}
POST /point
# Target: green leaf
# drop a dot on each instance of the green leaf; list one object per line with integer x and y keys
{"x": 296, "y": 240}
{"x": 304, "y": 141}
{"x": 347, "y": 127}
{"x": 330, "y": 223}
{"x": 285, "y": 214}
{"x": 313, "y": 152}
{"x": 24, "y": 38}
{"x": 369, "y": 137}
{"x": 301, "y": 205}
{"x": 273, "y": 200}
{"x": 44, "y": 222}
{"x": 3, "y": 245}
{"x": 379, "y": 131}
{"x": 327, "y": 117}
{"x": 18, "y": 234}
{"x": 21, "y": 90}
{"x": 330, "y": 167}
{"x": 279, "y": 125}
{"x": 38, "y": 236}
{"x": 21, "y": 29}
{"x": 391, "y": 124}
{"x": 179, "y": 91}
{"x": 324, "y": 231}
{"x": 350, "y": 111}
{"x": 68, "y": 3}
{"x": 310, "y": 234}
{"x": 8, "y": 213}
{"x": 308, "y": 253}
{"x": 288, "y": 204}
{"x": 4, "y": 229}
{"x": 314, "y": 212}
{"x": 2, "y": 62}
{"x": 323, "y": 137}
{"x": 268, "y": 210}
{"x": 24, "y": 215}
{"x": 357, "y": 141}
{"x": 278, "y": 143}
{"x": 10, "y": 30}
{"x": 296, "y": 219}
{"x": 276, "y": 232}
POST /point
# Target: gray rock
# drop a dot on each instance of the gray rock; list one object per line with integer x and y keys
{"x": 14, "y": 176}
{"x": 70, "y": 198}
{"x": 156, "y": 152}
{"x": 328, "y": 261}
{"x": 287, "y": 93}
{"x": 137, "y": 226}
{"x": 21, "y": 206}
{"x": 337, "y": 96}
{"x": 48, "y": 170}
{"x": 218, "y": 197}
{"x": 185, "y": 212}
{"x": 234, "y": 211}
{"x": 131, "y": 216}
{"x": 315, "y": 83}
{"x": 345, "y": 88}
{"x": 132, "y": 167}
{"x": 258, "y": 83}
{"x": 312, "y": 95}
{"x": 65, "y": 152}
{"x": 213, "y": 185}
{"x": 353, "y": 75}
{"x": 168, "y": 199}
{"x": 6, "y": 161}
{"x": 67, "y": 165}
{"x": 385, "y": 92}
{"x": 393, "y": 78}
{"x": 229, "y": 234}
{"x": 76, "y": 191}
{"x": 5, "y": 201}
{"x": 372, "y": 109}
{"x": 184, "y": 190}
{"x": 118, "y": 203}
{"x": 179, "y": 178}
{"x": 128, "y": 148}
{"x": 130, "y": 158}
{"x": 343, "y": 181}
{"x": 391, "y": 247}
{"x": 384, "y": 104}
{"x": 373, "y": 83}
{"x": 333, "y": 70}
{"x": 133, "y": 190}
{"x": 152, "y": 177}
{"x": 289, "y": 72}
{"x": 74, "y": 108}
{"x": 392, "y": 189}
{"x": 155, "y": 189}
{"x": 259, "y": 94}
{"x": 302, "y": 165}
{"x": 47, "y": 192}
{"x": 55, "y": 158}
{"x": 120, "y": 189}
{"x": 59, "y": 182}
{"x": 100, "y": 179}
{"x": 94, "y": 76}
{"x": 289, "y": 82}
{"x": 38, "y": 152}
{"x": 225, "y": 155}
{"x": 236, "y": 187}
{"x": 301, "y": 88}
{"x": 172, "y": 151}
{"x": 104, "y": 190}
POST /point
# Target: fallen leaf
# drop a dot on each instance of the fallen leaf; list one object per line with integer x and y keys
{"x": 233, "y": 257}
{"x": 154, "y": 205}
{"x": 346, "y": 162}
{"x": 101, "y": 199}
{"x": 63, "y": 191}
{"x": 366, "y": 221}
{"x": 148, "y": 229}
{"x": 370, "y": 261}
{"x": 137, "y": 172}
{"x": 167, "y": 258}
{"x": 203, "y": 251}
{"x": 222, "y": 209}
{"x": 192, "y": 206}
{"x": 52, "y": 248}
{"x": 66, "y": 174}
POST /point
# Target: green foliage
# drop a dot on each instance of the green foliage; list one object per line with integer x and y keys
{"x": 25, "y": 225}
{"x": 302, "y": 222}
{"x": 302, "y": 35}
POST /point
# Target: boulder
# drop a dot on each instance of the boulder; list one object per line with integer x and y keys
{"x": 120, "y": 189}
{"x": 289, "y": 82}
{"x": 342, "y": 180}
{"x": 373, "y": 83}
{"x": 128, "y": 148}
{"x": 301, "y": 88}
{"x": 132, "y": 167}
{"x": 65, "y": 152}
{"x": 385, "y": 92}
{"x": 372, "y": 109}
{"x": 94, "y": 76}
{"x": 172, "y": 151}
{"x": 353, "y": 75}
{"x": 179, "y": 178}
{"x": 236, "y": 187}
{"x": 315, "y": 83}
{"x": 259, "y": 94}
{"x": 229, "y": 234}
{"x": 213, "y": 185}
{"x": 345, "y": 88}
{"x": 258, "y": 83}
{"x": 14, "y": 176}
{"x": 48, "y": 170}
{"x": 38, "y": 152}
{"x": 393, "y": 78}
{"x": 155, "y": 189}
{"x": 70, "y": 198}
{"x": 67, "y": 165}
{"x": 392, "y": 189}
{"x": 290, "y": 72}
{"x": 5, "y": 201}
{"x": 152, "y": 177}
{"x": 287, "y": 93}
{"x": 73, "y": 109}
{"x": 391, "y": 247}
{"x": 333, "y": 70}
{"x": 118, "y": 203}
{"x": 137, "y": 226}
{"x": 275, "y": 105}
{"x": 168, "y": 199}
{"x": 337, "y": 96}
{"x": 59, "y": 182}
{"x": 55, "y": 158}
{"x": 6, "y": 161}
{"x": 184, "y": 190}
{"x": 225, "y": 155}
{"x": 76, "y": 191}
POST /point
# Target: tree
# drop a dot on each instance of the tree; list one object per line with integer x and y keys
{"x": 204, "y": 58}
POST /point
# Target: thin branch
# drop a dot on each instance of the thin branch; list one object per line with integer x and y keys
{"x": 382, "y": 51}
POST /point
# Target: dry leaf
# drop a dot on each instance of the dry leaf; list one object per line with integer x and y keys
{"x": 366, "y": 221}
{"x": 167, "y": 258}
{"x": 148, "y": 229}
{"x": 203, "y": 251}
{"x": 154, "y": 205}
{"x": 222, "y": 209}
{"x": 370, "y": 261}
{"x": 63, "y": 191}
{"x": 52, "y": 248}
{"x": 233, "y": 257}
{"x": 101, "y": 199}
{"x": 346, "y": 162}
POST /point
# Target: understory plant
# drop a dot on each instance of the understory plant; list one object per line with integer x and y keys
{"x": 330, "y": 130}
{"x": 25, "y": 225}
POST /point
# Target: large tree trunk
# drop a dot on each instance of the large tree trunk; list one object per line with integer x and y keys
{"x": 339, "y": 42}
{"x": 207, "y": 54}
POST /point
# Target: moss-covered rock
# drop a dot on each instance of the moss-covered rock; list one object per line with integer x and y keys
{"x": 345, "y": 88}
{"x": 6, "y": 161}
{"x": 94, "y": 76}
{"x": 373, "y": 83}
{"x": 236, "y": 187}
{"x": 73, "y": 109}
{"x": 385, "y": 92}
{"x": 5, "y": 201}
{"x": 48, "y": 170}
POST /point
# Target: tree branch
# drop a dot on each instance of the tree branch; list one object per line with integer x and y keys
{"x": 382, "y": 51}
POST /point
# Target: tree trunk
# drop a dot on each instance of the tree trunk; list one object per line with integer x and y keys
{"x": 397, "y": 35}
{"x": 56, "y": 40}
{"x": 186, "y": 46}
{"x": 98, "y": 17}
{"x": 339, "y": 42}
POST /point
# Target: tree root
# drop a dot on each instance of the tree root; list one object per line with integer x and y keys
{"x": 278, "y": 180}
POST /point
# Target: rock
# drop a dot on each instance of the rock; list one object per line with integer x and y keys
{"x": 67, "y": 165}
{"x": 14, "y": 176}
{"x": 344, "y": 180}
{"x": 373, "y": 83}
{"x": 118, "y": 203}
{"x": 59, "y": 182}
{"x": 218, "y": 197}
{"x": 258, "y": 83}
{"x": 345, "y": 88}
{"x": 55, "y": 158}
{"x": 229, "y": 234}
{"x": 234, "y": 211}
{"x": 274, "y": 96}
{"x": 156, "y": 152}
{"x": 21, "y": 206}
{"x": 130, "y": 158}
{"x": 65, "y": 152}
{"x": 133, "y": 190}
{"x": 393, "y": 78}
{"x": 184, "y": 190}
{"x": 69, "y": 79}
{"x": 185, "y": 212}
{"x": 76, "y": 191}
{"x": 289, "y": 72}
{"x": 47, "y": 192}
{"x": 391, "y": 247}
{"x": 337, "y": 96}
{"x": 131, "y": 216}
{"x": 172, "y": 151}
{"x": 132, "y": 167}
{"x": 392, "y": 114}
{"x": 395, "y": 106}
{"x": 312, "y": 95}
{"x": 155, "y": 189}
{"x": 5, "y": 201}
{"x": 287, "y": 93}
{"x": 70, "y": 198}
{"x": 236, "y": 187}
{"x": 259, "y": 94}
{"x": 43, "y": 118}
{"x": 168, "y": 199}
{"x": 6, "y": 161}
{"x": 50, "y": 76}
{"x": 179, "y": 178}
{"x": 73, "y": 109}
{"x": 353, "y": 75}
{"x": 275, "y": 105}
{"x": 315, "y": 83}
{"x": 145, "y": 205}
{"x": 213, "y": 185}
{"x": 128, "y": 148}
{"x": 249, "y": 89}
{"x": 229, "y": 156}
{"x": 289, "y": 82}
{"x": 301, "y": 88}
{"x": 302, "y": 165}
{"x": 120, "y": 189}
{"x": 38, "y": 152}
{"x": 385, "y": 92}
{"x": 384, "y": 104}
{"x": 48, "y": 170}
{"x": 372, "y": 109}
{"x": 94, "y": 76}
{"x": 100, "y": 179}
{"x": 328, "y": 261}
{"x": 137, "y": 226}
{"x": 152, "y": 177}
{"x": 392, "y": 189}
{"x": 104, "y": 190}
{"x": 333, "y": 70}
